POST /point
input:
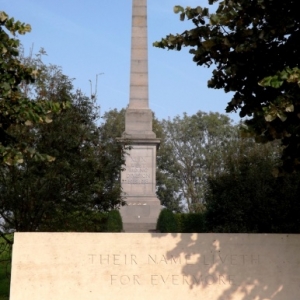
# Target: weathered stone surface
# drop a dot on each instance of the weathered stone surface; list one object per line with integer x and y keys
{"x": 139, "y": 51}
{"x": 139, "y": 186}
{"x": 138, "y": 32}
{"x": 139, "y": 79}
{"x": 139, "y": 66}
{"x": 148, "y": 266}
{"x": 139, "y": 177}
{"x": 138, "y": 122}
{"x": 139, "y": 93}
{"x": 140, "y": 11}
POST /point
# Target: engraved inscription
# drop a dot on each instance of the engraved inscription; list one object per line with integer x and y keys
{"x": 113, "y": 259}
{"x": 125, "y": 279}
{"x": 138, "y": 171}
{"x": 161, "y": 261}
{"x": 172, "y": 279}
{"x": 189, "y": 280}
{"x": 188, "y": 259}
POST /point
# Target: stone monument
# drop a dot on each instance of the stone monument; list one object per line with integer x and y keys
{"x": 139, "y": 178}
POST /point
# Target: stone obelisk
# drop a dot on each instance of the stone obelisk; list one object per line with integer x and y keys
{"x": 139, "y": 177}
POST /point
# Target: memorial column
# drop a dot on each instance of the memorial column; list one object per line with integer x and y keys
{"x": 139, "y": 177}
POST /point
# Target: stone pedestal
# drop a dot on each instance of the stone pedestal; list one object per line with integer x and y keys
{"x": 139, "y": 187}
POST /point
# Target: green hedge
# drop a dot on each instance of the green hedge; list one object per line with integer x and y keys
{"x": 166, "y": 222}
{"x": 192, "y": 222}
{"x": 93, "y": 221}
{"x": 5, "y": 258}
{"x": 182, "y": 223}
{"x": 113, "y": 222}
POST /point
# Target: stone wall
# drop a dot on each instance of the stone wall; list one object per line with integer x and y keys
{"x": 132, "y": 266}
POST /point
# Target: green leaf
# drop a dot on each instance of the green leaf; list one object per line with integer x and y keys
{"x": 270, "y": 117}
{"x": 282, "y": 116}
{"x": 182, "y": 16}
{"x": 208, "y": 44}
{"x": 178, "y": 8}
{"x": 48, "y": 120}
{"x": 289, "y": 108}
{"x": 199, "y": 10}
{"x": 3, "y": 16}
{"x": 214, "y": 19}
{"x": 50, "y": 158}
{"x": 28, "y": 123}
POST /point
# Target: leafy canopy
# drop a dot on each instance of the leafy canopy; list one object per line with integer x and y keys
{"x": 73, "y": 192}
{"x": 254, "y": 49}
{"x": 15, "y": 107}
{"x": 192, "y": 151}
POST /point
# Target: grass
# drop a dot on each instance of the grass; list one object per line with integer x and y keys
{"x": 5, "y": 256}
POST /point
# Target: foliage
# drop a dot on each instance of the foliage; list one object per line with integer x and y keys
{"x": 282, "y": 104}
{"x": 166, "y": 184}
{"x": 249, "y": 43}
{"x": 190, "y": 222}
{"x": 15, "y": 108}
{"x": 166, "y": 221}
{"x": 70, "y": 192}
{"x": 247, "y": 198}
{"x": 193, "y": 222}
{"x": 194, "y": 148}
{"x": 180, "y": 222}
{"x": 114, "y": 221}
{"x": 5, "y": 262}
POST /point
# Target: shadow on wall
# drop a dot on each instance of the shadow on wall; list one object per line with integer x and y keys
{"x": 232, "y": 266}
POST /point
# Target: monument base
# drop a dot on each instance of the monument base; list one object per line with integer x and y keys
{"x": 140, "y": 215}
{"x": 139, "y": 186}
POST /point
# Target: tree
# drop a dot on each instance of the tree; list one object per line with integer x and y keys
{"x": 83, "y": 180}
{"x": 245, "y": 197}
{"x": 195, "y": 146}
{"x": 167, "y": 187}
{"x": 15, "y": 108}
{"x": 254, "y": 48}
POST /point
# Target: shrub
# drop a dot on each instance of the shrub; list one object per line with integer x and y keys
{"x": 166, "y": 222}
{"x": 5, "y": 264}
{"x": 114, "y": 221}
{"x": 192, "y": 222}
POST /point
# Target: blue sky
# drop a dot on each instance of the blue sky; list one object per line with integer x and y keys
{"x": 90, "y": 37}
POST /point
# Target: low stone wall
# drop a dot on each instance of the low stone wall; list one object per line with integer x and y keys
{"x": 155, "y": 266}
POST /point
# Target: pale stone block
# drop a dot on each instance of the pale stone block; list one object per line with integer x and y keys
{"x": 135, "y": 266}
{"x": 139, "y": 11}
{"x": 139, "y": 66}
{"x": 139, "y": 3}
{"x": 139, "y": 21}
{"x": 139, "y": 31}
{"x": 139, "y": 42}
{"x": 139, "y": 92}
{"x": 138, "y": 178}
{"x": 139, "y": 54}
{"x": 139, "y": 79}
{"x": 138, "y": 121}
{"x": 140, "y": 215}
{"x": 139, "y": 103}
